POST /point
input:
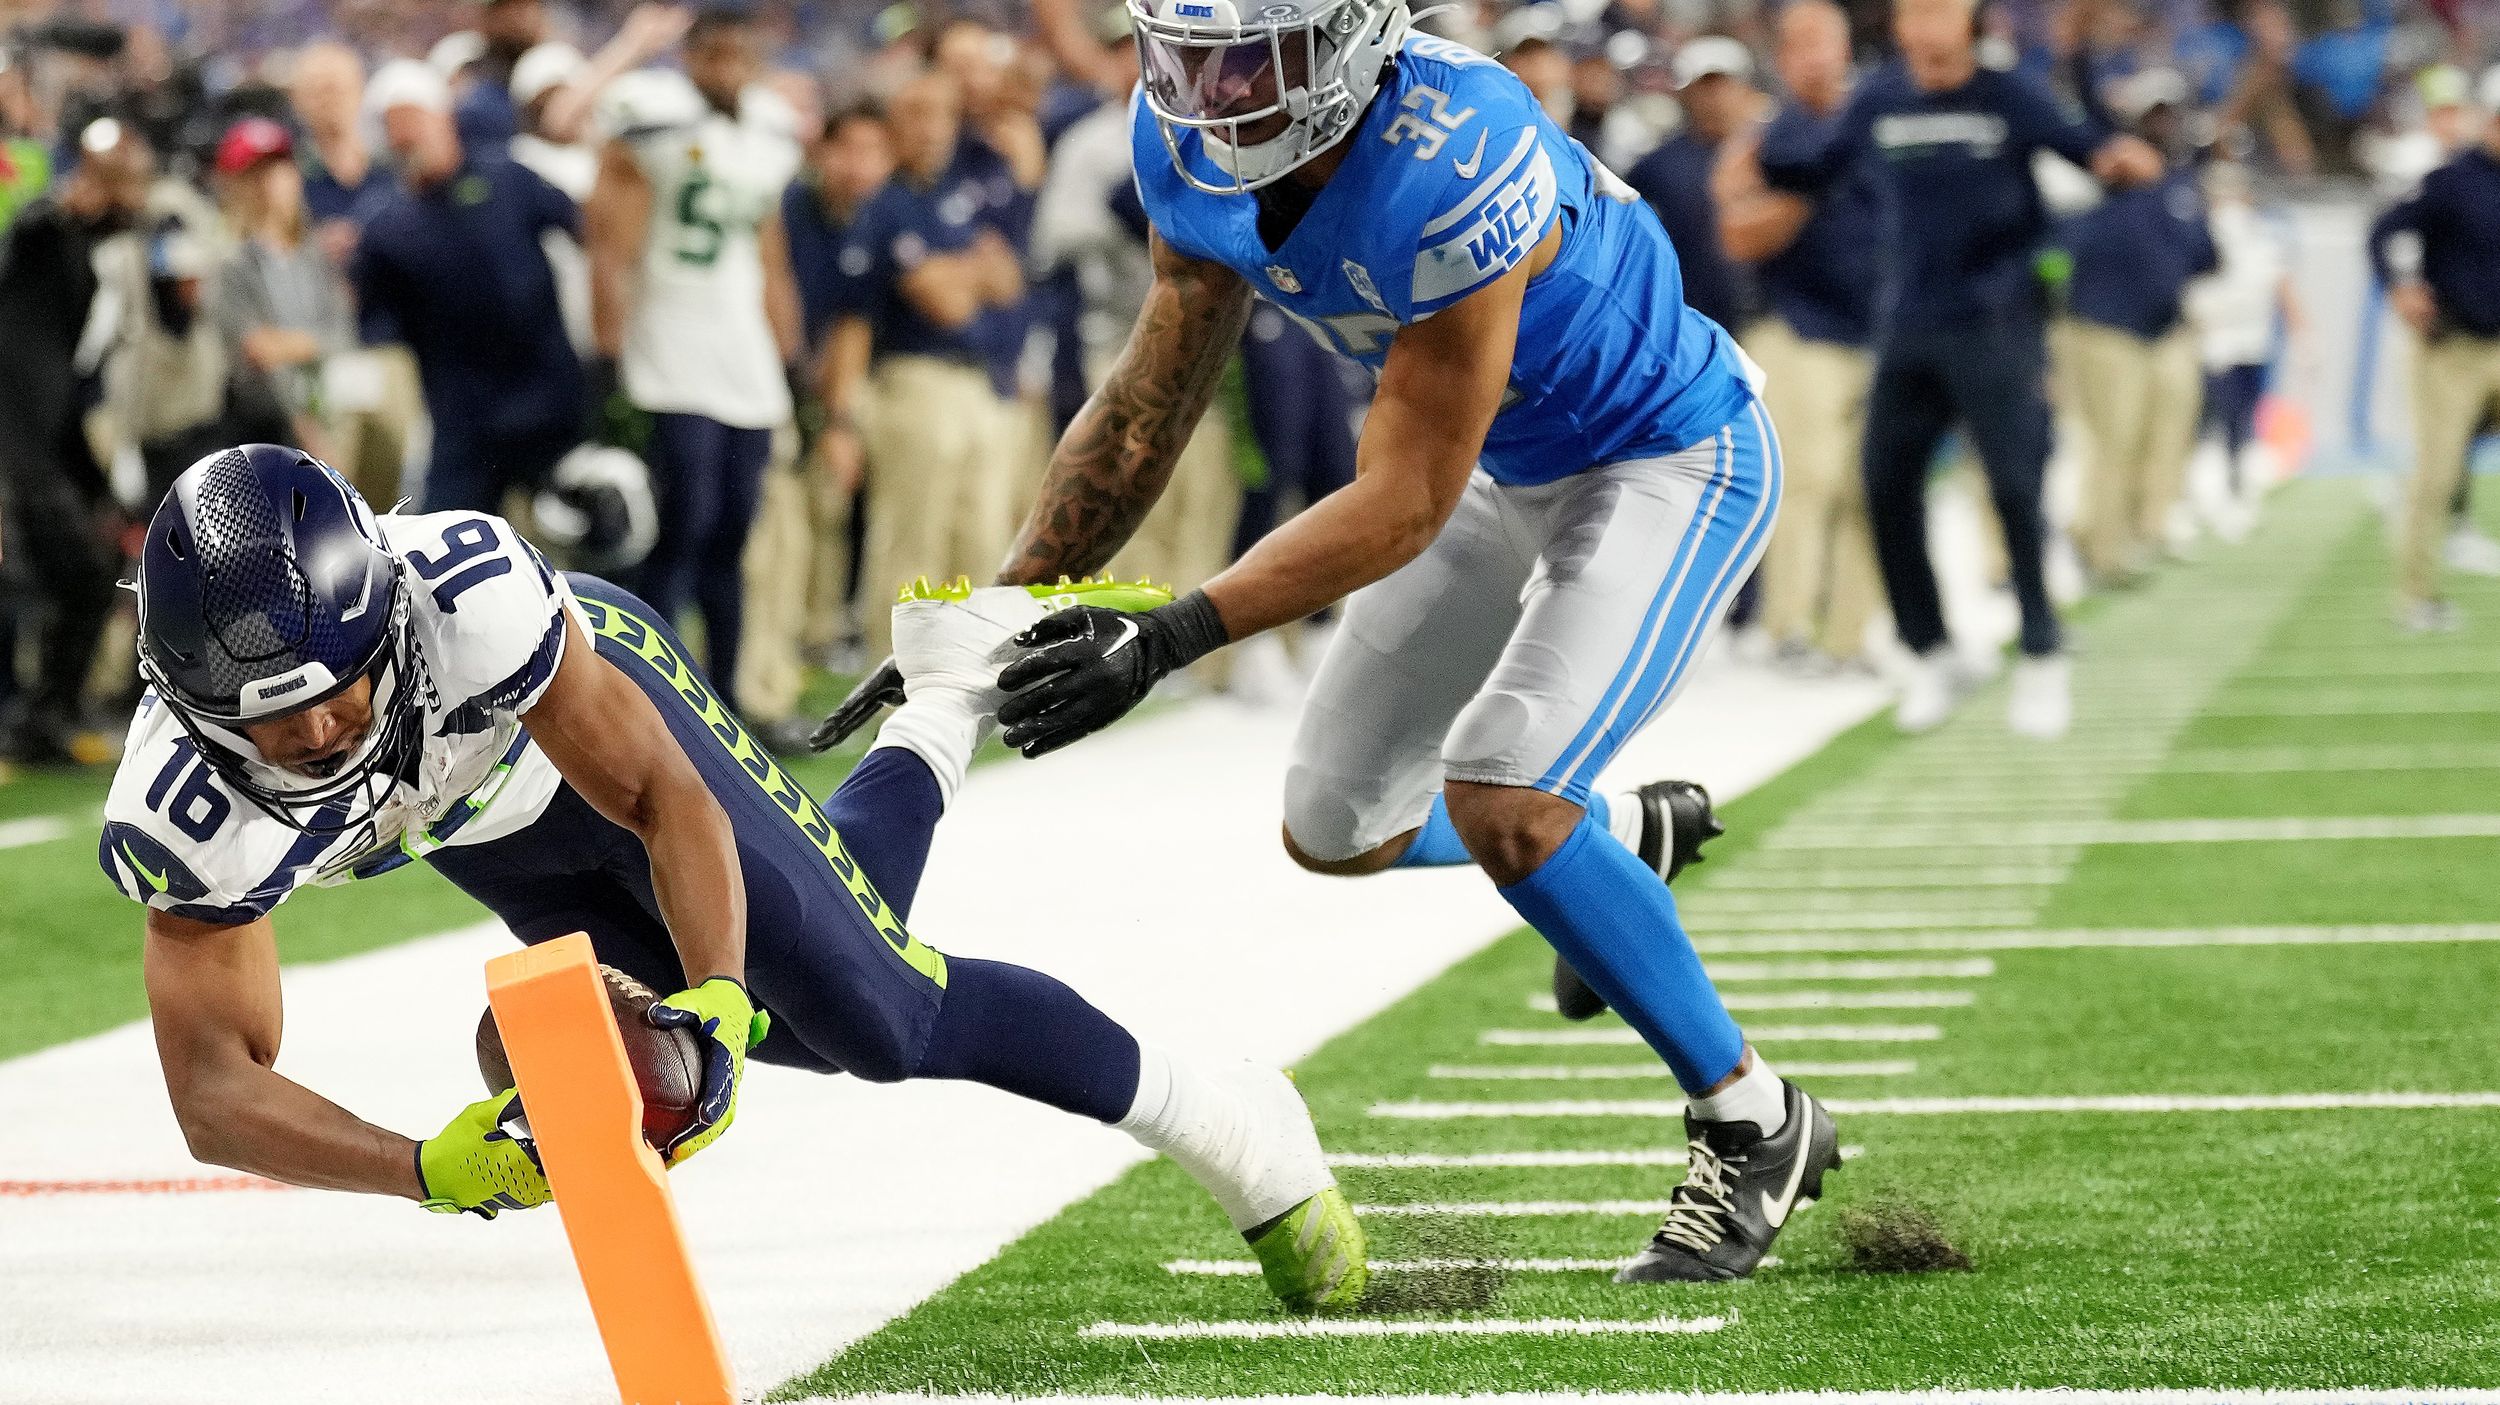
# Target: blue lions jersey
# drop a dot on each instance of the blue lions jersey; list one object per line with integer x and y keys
{"x": 1453, "y": 177}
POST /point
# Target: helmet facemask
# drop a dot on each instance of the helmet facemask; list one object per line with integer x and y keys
{"x": 1267, "y": 93}
{"x": 354, "y": 793}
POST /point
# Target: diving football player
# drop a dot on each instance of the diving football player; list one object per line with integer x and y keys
{"x": 1565, "y": 474}
{"x": 332, "y": 694}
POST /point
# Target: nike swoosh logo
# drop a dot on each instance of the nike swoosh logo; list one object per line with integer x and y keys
{"x": 1128, "y": 633}
{"x": 1466, "y": 170}
{"x": 1776, "y": 1211}
{"x": 154, "y": 880}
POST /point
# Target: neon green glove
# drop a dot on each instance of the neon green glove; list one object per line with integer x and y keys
{"x": 477, "y": 1166}
{"x": 721, "y": 1013}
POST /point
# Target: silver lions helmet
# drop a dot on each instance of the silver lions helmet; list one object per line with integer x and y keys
{"x": 1267, "y": 84}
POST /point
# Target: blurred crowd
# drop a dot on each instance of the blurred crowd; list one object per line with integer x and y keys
{"x": 761, "y": 310}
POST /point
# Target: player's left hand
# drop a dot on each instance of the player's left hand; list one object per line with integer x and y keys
{"x": 477, "y": 1166}
{"x": 721, "y": 1014}
{"x": 1083, "y": 668}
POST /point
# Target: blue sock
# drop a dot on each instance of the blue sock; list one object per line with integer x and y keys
{"x": 1611, "y": 918}
{"x": 885, "y": 814}
{"x": 1025, "y": 1033}
{"x": 1437, "y": 844}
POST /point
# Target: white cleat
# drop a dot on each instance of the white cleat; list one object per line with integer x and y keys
{"x": 2041, "y": 702}
{"x": 1938, "y": 681}
{"x": 2468, "y": 550}
{"x": 953, "y": 638}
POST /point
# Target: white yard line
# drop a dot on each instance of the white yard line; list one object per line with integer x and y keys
{"x": 2187, "y": 831}
{"x": 1419, "y": 1111}
{"x": 1756, "y": 1001}
{"x": 34, "y": 829}
{"x": 1712, "y": 919}
{"x": 1565, "y": 1073}
{"x": 2260, "y": 760}
{"x": 1773, "y": 879}
{"x": 2084, "y": 938}
{"x": 1303, "y": 1328}
{"x": 1507, "y": 1160}
{"x": 1249, "y": 1268}
{"x": 1971, "y": 968}
{"x": 1760, "y": 1034}
{"x": 1941, "y": 1396}
{"x": 1510, "y": 1209}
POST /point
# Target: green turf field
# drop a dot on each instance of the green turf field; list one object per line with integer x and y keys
{"x": 1939, "y": 923}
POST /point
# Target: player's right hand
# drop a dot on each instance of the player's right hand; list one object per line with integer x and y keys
{"x": 477, "y": 1166}
{"x": 881, "y": 689}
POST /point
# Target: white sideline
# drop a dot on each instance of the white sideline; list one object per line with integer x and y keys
{"x": 34, "y": 829}
{"x": 1511, "y": 1209}
{"x": 1926, "y": 1107}
{"x": 1948, "y": 1396}
{"x": 2076, "y": 938}
{"x": 1760, "y": 1034}
{"x": 1394, "y": 1327}
{"x": 2190, "y": 831}
{"x": 1567, "y": 1073}
{"x": 1716, "y": 920}
{"x": 1820, "y": 1000}
{"x": 1504, "y": 1160}
{"x": 837, "y": 1205}
{"x": 1962, "y": 969}
{"x": 2255, "y": 760}
{"x": 1249, "y": 1268}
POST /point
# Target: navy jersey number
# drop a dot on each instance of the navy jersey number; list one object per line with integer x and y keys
{"x": 463, "y": 544}
{"x": 196, "y": 806}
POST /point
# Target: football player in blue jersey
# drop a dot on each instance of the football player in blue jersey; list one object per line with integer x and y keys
{"x": 1564, "y": 475}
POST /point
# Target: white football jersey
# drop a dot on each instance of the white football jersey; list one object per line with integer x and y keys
{"x": 488, "y": 617}
{"x": 698, "y": 341}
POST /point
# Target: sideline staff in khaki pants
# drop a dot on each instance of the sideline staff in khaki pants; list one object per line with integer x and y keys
{"x": 2448, "y": 290}
{"x": 2139, "y": 400}
{"x": 1816, "y": 266}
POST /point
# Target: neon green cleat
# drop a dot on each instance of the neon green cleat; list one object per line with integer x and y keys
{"x": 1130, "y": 597}
{"x": 1314, "y": 1256}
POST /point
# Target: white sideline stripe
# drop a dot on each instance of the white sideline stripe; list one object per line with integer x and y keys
{"x": 1932, "y": 1107}
{"x": 1936, "y": 1396}
{"x": 1965, "y": 969}
{"x": 1884, "y": 880}
{"x": 1820, "y": 1000}
{"x": 1512, "y": 1209}
{"x": 1719, "y": 919}
{"x": 1506, "y": 1160}
{"x": 1559, "y": 1073}
{"x": 1385, "y": 1327}
{"x": 2077, "y": 938}
{"x": 1848, "y": 1000}
{"x": 1249, "y": 1268}
{"x": 1760, "y": 1034}
{"x": 2389, "y": 757}
{"x": 2145, "y": 832}
{"x": 35, "y": 829}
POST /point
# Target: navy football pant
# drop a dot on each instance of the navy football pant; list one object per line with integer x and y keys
{"x": 1988, "y": 378}
{"x": 708, "y": 478}
{"x": 828, "y": 890}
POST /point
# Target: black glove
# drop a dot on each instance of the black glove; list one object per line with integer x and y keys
{"x": 1082, "y": 669}
{"x": 881, "y": 689}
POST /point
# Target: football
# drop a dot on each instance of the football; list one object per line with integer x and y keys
{"x": 667, "y": 1063}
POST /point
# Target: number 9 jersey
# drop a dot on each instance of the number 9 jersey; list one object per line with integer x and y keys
{"x": 488, "y": 623}
{"x": 697, "y": 341}
{"x": 1452, "y": 178}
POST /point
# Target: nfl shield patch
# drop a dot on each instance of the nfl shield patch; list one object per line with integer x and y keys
{"x": 1283, "y": 278}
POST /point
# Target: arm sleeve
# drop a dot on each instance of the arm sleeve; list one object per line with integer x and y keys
{"x": 1794, "y": 161}
{"x": 2403, "y": 217}
{"x": 2038, "y": 119}
{"x": 1482, "y": 225}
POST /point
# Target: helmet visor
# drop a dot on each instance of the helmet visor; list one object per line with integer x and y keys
{"x": 1207, "y": 82}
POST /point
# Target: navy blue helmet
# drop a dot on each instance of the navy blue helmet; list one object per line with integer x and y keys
{"x": 266, "y": 588}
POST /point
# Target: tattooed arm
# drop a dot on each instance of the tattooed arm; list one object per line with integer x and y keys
{"x": 1117, "y": 455}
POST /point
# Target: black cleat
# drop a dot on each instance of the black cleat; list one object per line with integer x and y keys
{"x": 1676, "y": 820}
{"x": 1740, "y": 1187}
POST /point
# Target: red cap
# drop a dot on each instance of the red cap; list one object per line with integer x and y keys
{"x": 249, "y": 142}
